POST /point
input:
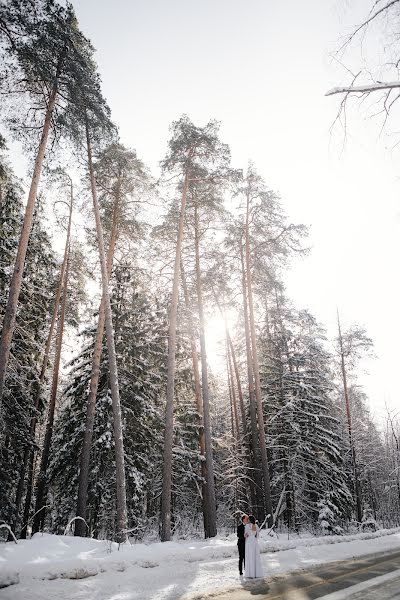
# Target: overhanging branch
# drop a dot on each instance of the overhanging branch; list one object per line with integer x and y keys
{"x": 364, "y": 89}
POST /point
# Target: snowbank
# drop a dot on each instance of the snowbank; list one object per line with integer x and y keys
{"x": 62, "y": 567}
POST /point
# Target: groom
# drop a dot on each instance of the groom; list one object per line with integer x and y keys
{"x": 242, "y": 542}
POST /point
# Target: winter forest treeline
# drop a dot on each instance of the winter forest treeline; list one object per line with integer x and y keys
{"x": 110, "y": 410}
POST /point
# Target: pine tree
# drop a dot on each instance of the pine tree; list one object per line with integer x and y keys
{"x": 45, "y": 54}
{"x": 264, "y": 240}
{"x": 205, "y": 207}
{"x": 190, "y": 147}
{"x": 121, "y": 178}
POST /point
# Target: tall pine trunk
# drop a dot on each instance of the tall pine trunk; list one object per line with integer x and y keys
{"x": 169, "y": 403}
{"x": 197, "y": 391}
{"x": 234, "y": 428}
{"x": 27, "y": 464}
{"x": 256, "y": 372}
{"x": 41, "y": 489}
{"x": 16, "y": 280}
{"x": 254, "y": 446}
{"x": 210, "y": 487}
{"x": 112, "y": 360}
{"x": 252, "y": 487}
{"x": 356, "y": 482}
{"x": 83, "y": 482}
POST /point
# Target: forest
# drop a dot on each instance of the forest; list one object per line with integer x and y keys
{"x": 114, "y": 420}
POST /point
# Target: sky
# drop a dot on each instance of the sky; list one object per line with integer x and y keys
{"x": 262, "y": 68}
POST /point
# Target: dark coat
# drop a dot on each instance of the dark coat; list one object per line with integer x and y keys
{"x": 240, "y": 535}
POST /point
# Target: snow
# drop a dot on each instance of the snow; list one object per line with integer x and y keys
{"x": 69, "y": 568}
{"x": 8, "y": 578}
{"x": 366, "y": 88}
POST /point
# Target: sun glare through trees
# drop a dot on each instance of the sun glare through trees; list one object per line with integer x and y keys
{"x": 198, "y": 259}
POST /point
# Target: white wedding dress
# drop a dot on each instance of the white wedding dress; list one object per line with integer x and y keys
{"x": 253, "y": 567}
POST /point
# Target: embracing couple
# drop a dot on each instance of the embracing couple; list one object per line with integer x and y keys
{"x": 249, "y": 550}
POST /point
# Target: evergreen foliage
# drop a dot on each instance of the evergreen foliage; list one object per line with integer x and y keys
{"x": 282, "y": 430}
{"x": 304, "y": 436}
{"x": 28, "y": 343}
{"x": 140, "y": 331}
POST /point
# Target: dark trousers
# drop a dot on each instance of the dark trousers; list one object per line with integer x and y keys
{"x": 241, "y": 548}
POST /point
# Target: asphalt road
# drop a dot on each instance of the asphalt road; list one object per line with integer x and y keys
{"x": 375, "y": 577}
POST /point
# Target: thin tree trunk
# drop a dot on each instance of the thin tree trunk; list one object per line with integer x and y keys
{"x": 248, "y": 448}
{"x": 254, "y": 446}
{"x": 350, "y": 428}
{"x": 256, "y": 371}
{"x": 28, "y": 459}
{"x": 83, "y": 483}
{"x": 28, "y": 495}
{"x": 232, "y": 385}
{"x": 197, "y": 391}
{"x": 16, "y": 281}
{"x": 283, "y": 444}
{"x": 42, "y": 483}
{"x": 235, "y": 365}
{"x": 229, "y": 381}
{"x": 234, "y": 423}
{"x": 112, "y": 360}
{"x": 169, "y": 404}
{"x": 395, "y": 455}
{"x": 238, "y": 385}
{"x": 211, "y": 506}
{"x": 252, "y": 487}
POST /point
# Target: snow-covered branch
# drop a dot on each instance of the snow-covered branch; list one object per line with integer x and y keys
{"x": 364, "y": 89}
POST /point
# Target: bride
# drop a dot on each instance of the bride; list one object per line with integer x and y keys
{"x": 253, "y": 567}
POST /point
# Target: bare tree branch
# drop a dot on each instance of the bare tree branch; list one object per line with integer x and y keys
{"x": 371, "y": 18}
{"x": 364, "y": 89}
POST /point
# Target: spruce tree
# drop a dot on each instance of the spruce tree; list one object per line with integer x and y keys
{"x": 303, "y": 430}
{"x": 37, "y": 291}
{"x": 63, "y": 288}
{"x": 350, "y": 346}
{"x": 139, "y": 334}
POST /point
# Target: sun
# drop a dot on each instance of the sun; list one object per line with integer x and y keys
{"x": 215, "y": 332}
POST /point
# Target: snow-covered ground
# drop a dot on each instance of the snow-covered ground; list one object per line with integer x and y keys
{"x": 50, "y": 567}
